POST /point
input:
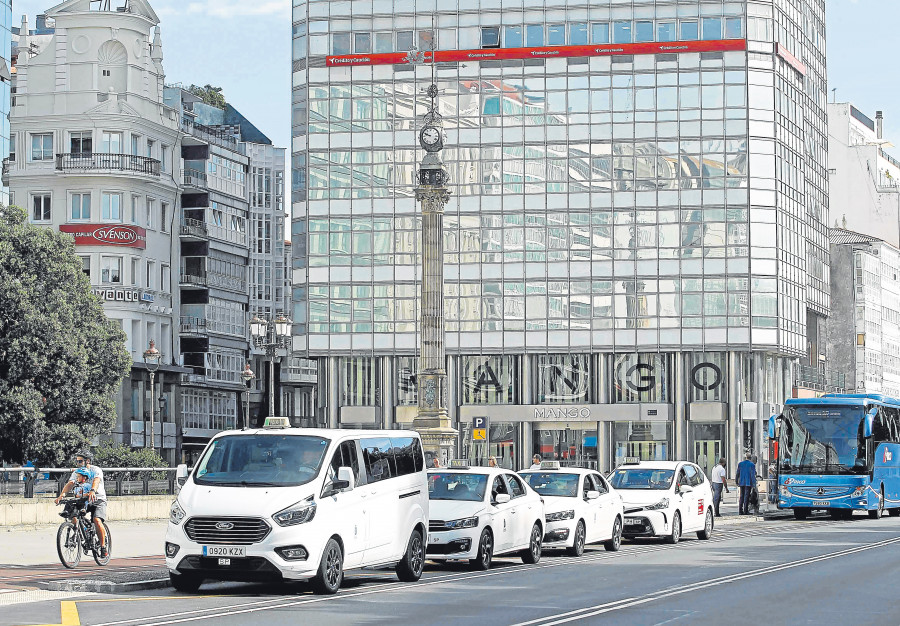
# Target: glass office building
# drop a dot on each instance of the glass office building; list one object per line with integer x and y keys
{"x": 636, "y": 236}
{"x": 5, "y": 80}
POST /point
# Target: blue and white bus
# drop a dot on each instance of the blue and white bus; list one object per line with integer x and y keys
{"x": 839, "y": 453}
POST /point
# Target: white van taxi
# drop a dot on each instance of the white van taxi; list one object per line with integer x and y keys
{"x": 579, "y": 507}
{"x": 664, "y": 499}
{"x": 282, "y": 503}
{"x": 481, "y": 512}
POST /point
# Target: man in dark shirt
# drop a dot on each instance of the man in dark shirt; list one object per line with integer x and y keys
{"x": 746, "y": 480}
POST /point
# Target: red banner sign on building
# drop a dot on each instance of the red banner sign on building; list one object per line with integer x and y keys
{"x": 492, "y": 54}
{"x": 107, "y": 235}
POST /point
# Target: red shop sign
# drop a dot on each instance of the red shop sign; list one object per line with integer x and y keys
{"x": 106, "y": 235}
{"x": 488, "y": 54}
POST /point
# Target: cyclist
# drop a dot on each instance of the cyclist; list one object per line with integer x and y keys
{"x": 96, "y": 495}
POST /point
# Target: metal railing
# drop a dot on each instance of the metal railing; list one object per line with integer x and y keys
{"x": 212, "y": 135}
{"x": 810, "y": 377}
{"x": 193, "y": 325}
{"x": 195, "y": 178}
{"x": 197, "y": 228}
{"x": 30, "y": 482}
{"x": 91, "y": 162}
{"x": 193, "y": 279}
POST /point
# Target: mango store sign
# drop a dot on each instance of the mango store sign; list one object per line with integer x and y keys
{"x": 107, "y": 235}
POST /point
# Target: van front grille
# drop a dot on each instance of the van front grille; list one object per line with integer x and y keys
{"x": 241, "y": 531}
{"x": 436, "y": 525}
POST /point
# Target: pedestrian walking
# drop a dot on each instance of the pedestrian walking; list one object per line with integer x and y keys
{"x": 535, "y": 462}
{"x": 492, "y": 462}
{"x": 719, "y": 482}
{"x": 746, "y": 480}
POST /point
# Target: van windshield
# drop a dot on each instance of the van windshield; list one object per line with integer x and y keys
{"x": 261, "y": 460}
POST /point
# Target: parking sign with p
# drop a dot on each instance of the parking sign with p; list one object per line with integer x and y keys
{"x": 479, "y": 429}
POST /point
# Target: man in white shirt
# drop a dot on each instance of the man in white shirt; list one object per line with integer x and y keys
{"x": 719, "y": 482}
{"x": 535, "y": 462}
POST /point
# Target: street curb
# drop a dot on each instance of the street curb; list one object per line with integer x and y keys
{"x": 106, "y": 586}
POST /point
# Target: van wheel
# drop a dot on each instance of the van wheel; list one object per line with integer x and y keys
{"x": 482, "y": 560}
{"x": 676, "y": 529}
{"x": 577, "y": 548}
{"x": 706, "y": 533}
{"x": 186, "y": 583}
{"x": 532, "y": 554}
{"x": 409, "y": 570}
{"x": 331, "y": 569}
{"x": 615, "y": 542}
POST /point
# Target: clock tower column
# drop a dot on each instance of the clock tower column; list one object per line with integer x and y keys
{"x": 433, "y": 419}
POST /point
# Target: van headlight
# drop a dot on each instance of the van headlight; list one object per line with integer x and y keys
{"x": 299, "y": 513}
{"x": 176, "y": 513}
{"x": 662, "y": 504}
{"x": 560, "y": 516}
{"x": 466, "y": 522}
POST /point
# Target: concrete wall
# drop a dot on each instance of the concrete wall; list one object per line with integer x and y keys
{"x": 36, "y": 511}
{"x": 841, "y": 333}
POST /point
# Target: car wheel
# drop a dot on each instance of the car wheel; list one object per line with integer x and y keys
{"x": 676, "y": 529}
{"x": 878, "y": 512}
{"x": 615, "y": 542}
{"x": 409, "y": 570}
{"x": 532, "y": 554}
{"x": 577, "y": 548}
{"x": 185, "y": 583}
{"x": 331, "y": 569}
{"x": 801, "y": 514}
{"x": 482, "y": 560}
{"x": 706, "y": 533}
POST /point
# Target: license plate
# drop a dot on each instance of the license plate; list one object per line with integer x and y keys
{"x": 227, "y": 551}
{"x": 632, "y": 522}
{"x": 224, "y": 562}
{"x": 821, "y": 503}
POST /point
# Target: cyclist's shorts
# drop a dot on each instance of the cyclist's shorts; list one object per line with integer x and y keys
{"x": 98, "y": 509}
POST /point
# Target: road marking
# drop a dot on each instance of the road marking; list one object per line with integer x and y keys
{"x": 278, "y": 603}
{"x": 594, "y": 611}
{"x": 68, "y": 613}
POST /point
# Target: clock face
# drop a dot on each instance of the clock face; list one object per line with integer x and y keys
{"x": 431, "y": 136}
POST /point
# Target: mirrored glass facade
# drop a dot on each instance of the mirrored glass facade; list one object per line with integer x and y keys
{"x": 632, "y": 182}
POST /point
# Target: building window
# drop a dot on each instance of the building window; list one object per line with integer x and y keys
{"x": 706, "y": 377}
{"x": 488, "y": 380}
{"x": 86, "y": 266}
{"x": 564, "y": 378}
{"x": 135, "y": 269}
{"x": 340, "y": 43}
{"x": 512, "y": 37}
{"x": 641, "y": 378}
{"x": 666, "y": 31}
{"x": 42, "y": 147}
{"x": 534, "y": 35}
{"x": 404, "y": 40}
{"x": 40, "y": 203}
{"x": 111, "y": 207}
{"x": 490, "y": 36}
{"x": 81, "y": 143}
{"x": 384, "y": 42}
{"x": 648, "y": 441}
{"x": 81, "y": 206}
{"x": 165, "y": 278}
{"x": 150, "y": 146}
{"x": 712, "y": 28}
{"x": 135, "y": 216}
{"x": 600, "y": 32}
{"x": 163, "y": 158}
{"x": 111, "y": 270}
{"x": 151, "y": 274}
{"x": 149, "y": 221}
{"x": 643, "y": 31}
{"x": 164, "y": 217}
{"x": 359, "y": 381}
{"x": 621, "y": 32}
{"x": 734, "y": 28}
{"x": 556, "y": 35}
{"x": 12, "y": 150}
{"x": 362, "y": 43}
{"x": 135, "y": 145}
{"x": 578, "y": 34}
{"x": 112, "y": 143}
{"x": 407, "y": 391}
{"x": 689, "y": 30}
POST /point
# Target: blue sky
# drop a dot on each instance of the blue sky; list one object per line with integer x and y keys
{"x": 243, "y": 46}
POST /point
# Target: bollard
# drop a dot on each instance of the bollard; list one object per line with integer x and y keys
{"x": 145, "y": 477}
{"x": 30, "y": 480}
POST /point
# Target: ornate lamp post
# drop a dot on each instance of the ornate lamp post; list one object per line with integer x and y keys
{"x": 151, "y": 358}
{"x": 433, "y": 419}
{"x": 271, "y": 334}
{"x": 247, "y": 375}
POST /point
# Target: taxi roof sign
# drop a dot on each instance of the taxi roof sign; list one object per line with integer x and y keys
{"x": 632, "y": 460}
{"x": 459, "y": 464}
{"x": 277, "y": 422}
{"x": 550, "y": 465}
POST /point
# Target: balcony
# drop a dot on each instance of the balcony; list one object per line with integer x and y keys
{"x": 210, "y": 134}
{"x": 193, "y": 326}
{"x": 193, "y": 280}
{"x": 90, "y": 163}
{"x": 194, "y": 178}
{"x": 194, "y": 229}
{"x": 298, "y": 375}
{"x": 808, "y": 377}
{"x": 193, "y": 379}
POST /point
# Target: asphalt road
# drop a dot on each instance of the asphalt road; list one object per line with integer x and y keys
{"x": 816, "y": 571}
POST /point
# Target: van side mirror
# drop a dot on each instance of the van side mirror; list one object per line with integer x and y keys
{"x": 345, "y": 480}
{"x": 772, "y": 423}
{"x": 502, "y": 498}
{"x": 869, "y": 423}
{"x": 181, "y": 474}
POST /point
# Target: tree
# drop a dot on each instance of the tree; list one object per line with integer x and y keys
{"x": 117, "y": 455}
{"x": 210, "y": 95}
{"x": 61, "y": 358}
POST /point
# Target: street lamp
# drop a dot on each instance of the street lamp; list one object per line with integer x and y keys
{"x": 247, "y": 375}
{"x": 270, "y": 334}
{"x": 151, "y": 358}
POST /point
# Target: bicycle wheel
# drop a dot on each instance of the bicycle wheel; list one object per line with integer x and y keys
{"x": 68, "y": 545}
{"x": 97, "y": 557}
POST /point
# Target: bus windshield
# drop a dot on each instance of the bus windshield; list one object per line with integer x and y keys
{"x": 261, "y": 460}
{"x": 822, "y": 440}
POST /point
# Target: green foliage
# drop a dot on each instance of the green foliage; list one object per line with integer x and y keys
{"x": 112, "y": 455}
{"x": 210, "y": 95}
{"x": 61, "y": 359}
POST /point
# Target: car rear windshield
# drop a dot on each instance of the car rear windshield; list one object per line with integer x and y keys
{"x": 452, "y": 486}
{"x": 642, "y": 478}
{"x": 553, "y": 483}
{"x": 259, "y": 460}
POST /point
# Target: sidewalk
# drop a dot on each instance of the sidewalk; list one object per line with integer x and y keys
{"x": 36, "y": 545}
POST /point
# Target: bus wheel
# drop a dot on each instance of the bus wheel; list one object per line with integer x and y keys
{"x": 878, "y": 512}
{"x": 801, "y": 513}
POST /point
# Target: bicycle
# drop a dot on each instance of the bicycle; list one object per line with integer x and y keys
{"x": 74, "y": 538}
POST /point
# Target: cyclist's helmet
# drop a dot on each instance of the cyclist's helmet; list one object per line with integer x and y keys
{"x": 86, "y": 454}
{"x": 83, "y": 472}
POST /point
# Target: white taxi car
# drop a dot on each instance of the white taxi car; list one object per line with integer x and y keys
{"x": 477, "y": 513}
{"x": 664, "y": 499}
{"x": 579, "y": 507}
